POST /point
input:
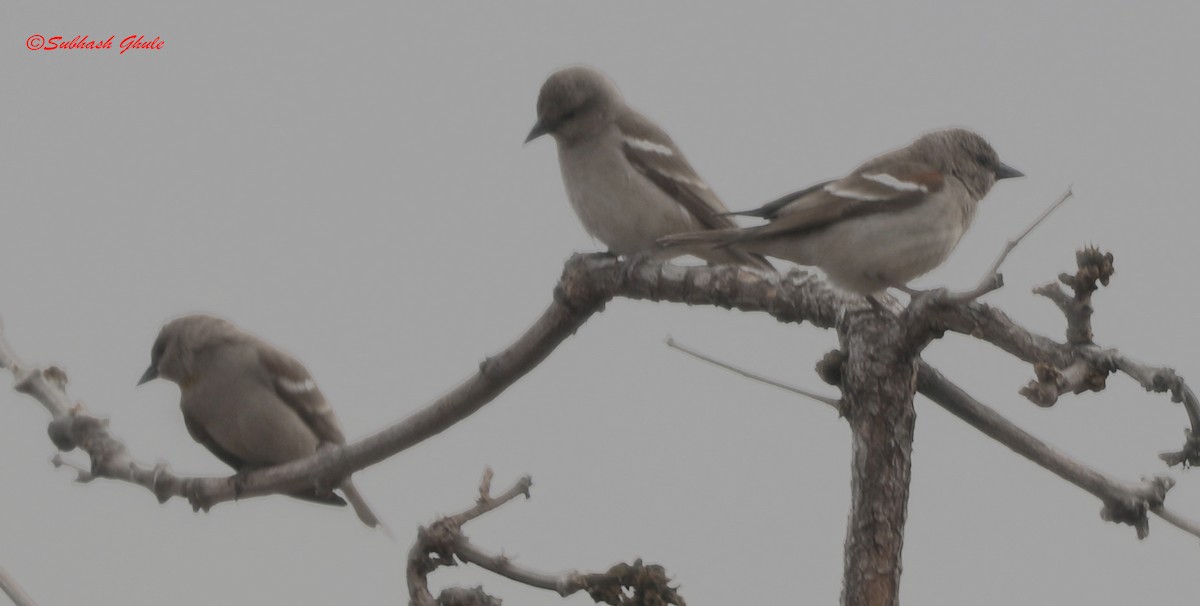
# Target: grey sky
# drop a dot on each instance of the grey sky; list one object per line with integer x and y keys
{"x": 349, "y": 183}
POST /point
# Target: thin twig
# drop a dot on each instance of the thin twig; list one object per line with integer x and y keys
{"x": 1177, "y": 520}
{"x": 991, "y": 278}
{"x": 751, "y": 375}
{"x": 441, "y": 542}
{"x": 1014, "y": 242}
{"x": 14, "y": 592}
{"x": 486, "y": 502}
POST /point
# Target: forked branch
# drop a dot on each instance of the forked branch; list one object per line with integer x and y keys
{"x": 443, "y": 542}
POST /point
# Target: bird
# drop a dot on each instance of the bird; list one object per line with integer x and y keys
{"x": 250, "y": 403}
{"x": 893, "y": 219}
{"x": 626, "y": 179}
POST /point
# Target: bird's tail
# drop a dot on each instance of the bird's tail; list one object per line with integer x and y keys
{"x": 700, "y": 240}
{"x": 715, "y": 246}
{"x": 359, "y": 504}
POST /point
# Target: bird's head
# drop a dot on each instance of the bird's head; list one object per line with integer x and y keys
{"x": 966, "y": 156}
{"x": 178, "y": 343}
{"x": 575, "y": 102}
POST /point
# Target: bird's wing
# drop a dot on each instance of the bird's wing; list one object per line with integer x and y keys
{"x": 297, "y": 389}
{"x": 199, "y": 434}
{"x": 866, "y": 191}
{"x": 653, "y": 154}
{"x": 771, "y": 209}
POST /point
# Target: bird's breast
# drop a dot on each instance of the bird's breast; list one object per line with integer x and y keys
{"x": 616, "y": 204}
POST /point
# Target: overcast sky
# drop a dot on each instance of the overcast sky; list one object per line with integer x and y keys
{"x": 351, "y": 185}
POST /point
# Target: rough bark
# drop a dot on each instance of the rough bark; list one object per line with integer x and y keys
{"x": 878, "y": 385}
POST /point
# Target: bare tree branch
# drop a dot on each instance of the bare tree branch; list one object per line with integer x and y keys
{"x": 1073, "y": 367}
{"x": 1051, "y": 382}
{"x": 440, "y": 543}
{"x": 13, "y": 591}
{"x": 110, "y": 459}
{"x": 1162, "y": 380}
{"x": 588, "y": 282}
{"x": 72, "y": 427}
{"x": 992, "y": 280}
{"x": 877, "y": 346}
{"x": 1123, "y": 502}
{"x": 461, "y": 596}
{"x": 835, "y": 404}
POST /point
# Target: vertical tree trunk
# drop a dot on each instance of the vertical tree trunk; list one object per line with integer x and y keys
{"x": 878, "y": 383}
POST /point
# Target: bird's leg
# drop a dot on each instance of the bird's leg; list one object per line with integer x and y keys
{"x": 238, "y": 481}
{"x": 322, "y": 484}
{"x": 876, "y": 304}
{"x": 910, "y": 291}
{"x": 634, "y": 262}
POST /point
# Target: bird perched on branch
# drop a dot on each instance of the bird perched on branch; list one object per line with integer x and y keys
{"x": 248, "y": 402}
{"x": 626, "y": 179}
{"x": 893, "y": 219}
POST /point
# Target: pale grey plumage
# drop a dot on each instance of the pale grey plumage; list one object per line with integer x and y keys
{"x": 893, "y": 219}
{"x": 248, "y": 402}
{"x": 626, "y": 179}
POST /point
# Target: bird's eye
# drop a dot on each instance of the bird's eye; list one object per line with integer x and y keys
{"x": 569, "y": 115}
{"x": 983, "y": 160}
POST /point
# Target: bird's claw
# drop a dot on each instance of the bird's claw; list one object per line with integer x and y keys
{"x": 198, "y": 497}
{"x": 632, "y": 264}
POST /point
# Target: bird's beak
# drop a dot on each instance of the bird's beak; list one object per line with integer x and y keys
{"x": 542, "y": 127}
{"x": 1005, "y": 171}
{"x": 150, "y": 374}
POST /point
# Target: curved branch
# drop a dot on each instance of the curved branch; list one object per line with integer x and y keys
{"x": 587, "y": 283}
{"x": 1161, "y": 380}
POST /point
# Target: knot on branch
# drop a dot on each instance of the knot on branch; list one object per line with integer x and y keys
{"x": 1052, "y": 383}
{"x": 1161, "y": 380}
{"x": 89, "y": 433}
{"x": 1127, "y": 511}
{"x": 922, "y": 318}
{"x": 1132, "y": 510}
{"x": 635, "y": 584}
{"x": 1094, "y": 268}
{"x": 59, "y": 431}
{"x": 578, "y": 289}
{"x": 829, "y": 367}
{"x": 52, "y": 376}
{"x": 461, "y": 596}
{"x": 162, "y": 482}
{"x": 1187, "y": 456}
{"x": 437, "y": 545}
